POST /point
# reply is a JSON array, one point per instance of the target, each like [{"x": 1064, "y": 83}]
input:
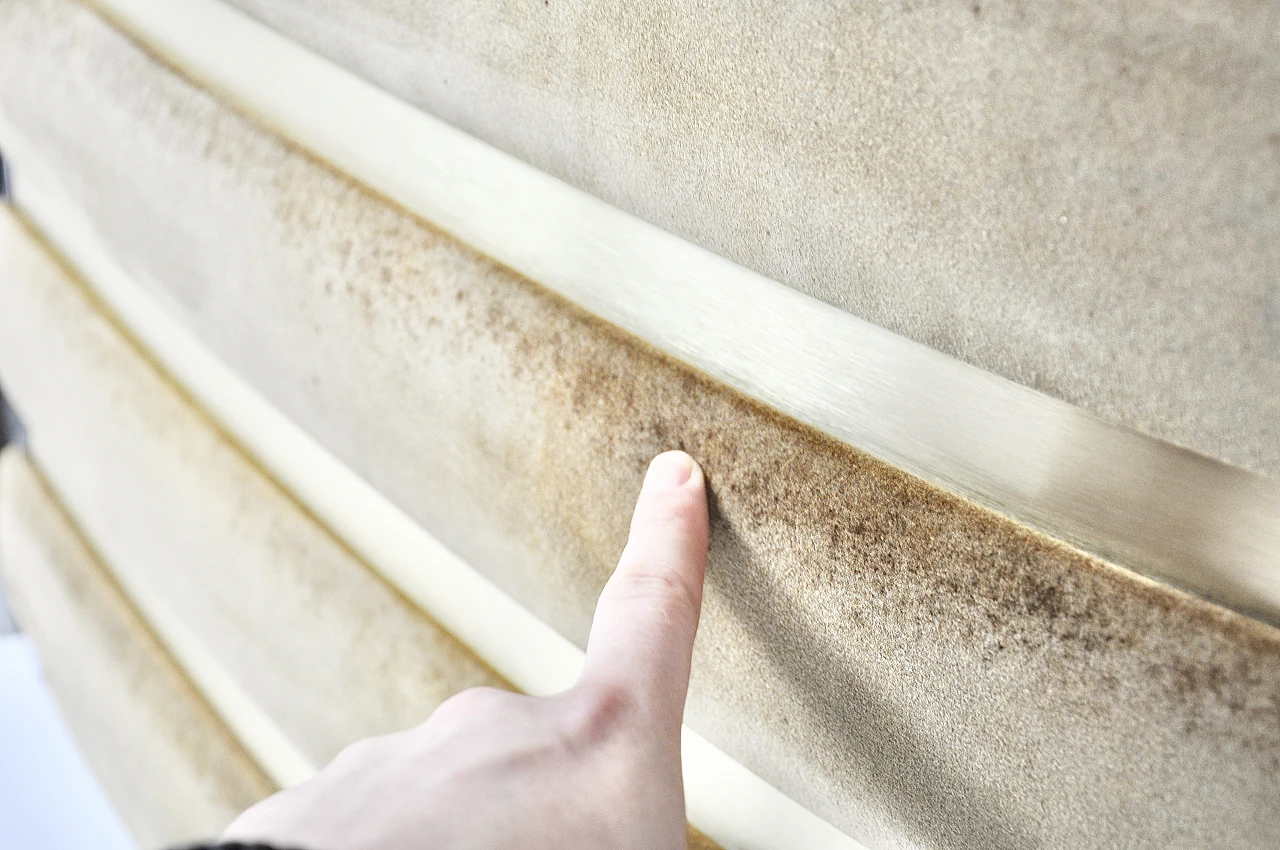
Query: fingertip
[
  {"x": 647, "y": 616},
  {"x": 671, "y": 470},
  {"x": 672, "y": 503}
]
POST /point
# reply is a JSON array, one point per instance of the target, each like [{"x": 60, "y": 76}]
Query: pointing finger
[{"x": 647, "y": 616}]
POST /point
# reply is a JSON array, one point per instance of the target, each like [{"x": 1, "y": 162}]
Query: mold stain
[{"x": 565, "y": 411}]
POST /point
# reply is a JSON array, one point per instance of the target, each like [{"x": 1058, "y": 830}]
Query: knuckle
[
  {"x": 597, "y": 711},
  {"x": 465, "y": 702},
  {"x": 357, "y": 753},
  {"x": 466, "y": 705},
  {"x": 665, "y": 588}
]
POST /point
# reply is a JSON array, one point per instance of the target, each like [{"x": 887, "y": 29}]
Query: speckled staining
[
  {"x": 242, "y": 584},
  {"x": 917, "y": 670},
  {"x": 1059, "y": 194}
]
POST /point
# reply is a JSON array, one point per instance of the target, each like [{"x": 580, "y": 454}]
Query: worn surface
[
  {"x": 919, "y": 671},
  {"x": 171, "y": 769},
  {"x": 1081, "y": 197},
  {"x": 298, "y": 643},
  {"x": 325, "y": 649}
]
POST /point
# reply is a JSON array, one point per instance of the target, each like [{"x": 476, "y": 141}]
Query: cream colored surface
[
  {"x": 204, "y": 541},
  {"x": 725, "y": 800},
  {"x": 168, "y": 764},
  {"x": 1212, "y": 528},
  {"x": 918, "y": 671},
  {"x": 1078, "y": 196}
]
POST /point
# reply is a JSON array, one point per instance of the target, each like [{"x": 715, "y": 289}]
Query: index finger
[{"x": 647, "y": 615}]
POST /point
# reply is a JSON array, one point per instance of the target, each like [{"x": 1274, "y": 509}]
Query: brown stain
[
  {"x": 985, "y": 576},
  {"x": 410, "y": 662},
  {"x": 901, "y": 576},
  {"x": 884, "y": 157}
]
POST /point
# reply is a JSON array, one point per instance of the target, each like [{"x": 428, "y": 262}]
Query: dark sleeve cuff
[{"x": 235, "y": 845}]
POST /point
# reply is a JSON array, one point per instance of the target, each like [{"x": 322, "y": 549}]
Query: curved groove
[
  {"x": 269, "y": 747},
  {"x": 168, "y": 762},
  {"x": 725, "y": 800},
  {"x": 1155, "y": 507}
]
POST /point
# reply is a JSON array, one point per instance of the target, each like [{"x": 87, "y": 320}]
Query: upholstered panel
[
  {"x": 166, "y": 761},
  {"x": 1080, "y": 197},
  {"x": 917, "y": 670},
  {"x": 322, "y": 647}
]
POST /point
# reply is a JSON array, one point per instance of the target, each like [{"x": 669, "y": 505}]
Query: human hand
[{"x": 597, "y": 766}]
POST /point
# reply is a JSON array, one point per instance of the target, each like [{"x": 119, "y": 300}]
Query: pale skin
[{"x": 596, "y": 766}]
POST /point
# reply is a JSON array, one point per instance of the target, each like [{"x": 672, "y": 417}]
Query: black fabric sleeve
[{"x": 235, "y": 845}]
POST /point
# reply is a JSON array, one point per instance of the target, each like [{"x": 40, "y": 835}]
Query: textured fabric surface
[
  {"x": 166, "y": 762},
  {"x": 323, "y": 647},
  {"x": 326, "y": 649},
  {"x": 918, "y": 671},
  {"x": 1081, "y": 197}
]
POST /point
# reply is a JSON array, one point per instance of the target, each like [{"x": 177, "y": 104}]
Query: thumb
[{"x": 647, "y": 616}]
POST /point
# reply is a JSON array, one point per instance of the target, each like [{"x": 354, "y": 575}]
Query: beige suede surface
[
  {"x": 318, "y": 642},
  {"x": 169, "y": 766},
  {"x": 329, "y": 652},
  {"x": 1079, "y": 196},
  {"x": 921, "y": 672}
]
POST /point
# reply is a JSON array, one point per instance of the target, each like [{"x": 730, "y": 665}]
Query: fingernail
[{"x": 669, "y": 469}]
